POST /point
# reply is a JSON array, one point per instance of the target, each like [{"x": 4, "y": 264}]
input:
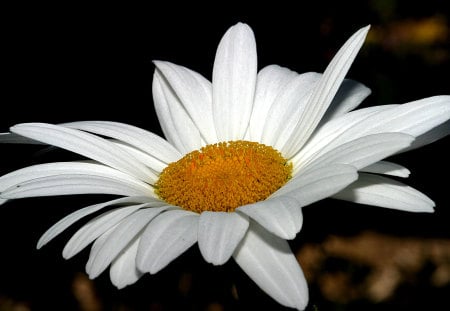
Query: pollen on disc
[{"x": 223, "y": 176}]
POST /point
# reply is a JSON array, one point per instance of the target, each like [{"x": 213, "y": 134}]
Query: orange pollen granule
[{"x": 223, "y": 176}]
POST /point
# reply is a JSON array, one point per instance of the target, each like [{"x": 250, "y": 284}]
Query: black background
[{"x": 63, "y": 64}]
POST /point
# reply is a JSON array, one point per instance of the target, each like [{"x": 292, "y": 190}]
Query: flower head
[{"x": 242, "y": 156}]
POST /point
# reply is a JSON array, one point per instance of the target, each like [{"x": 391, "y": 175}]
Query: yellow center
[{"x": 223, "y": 176}]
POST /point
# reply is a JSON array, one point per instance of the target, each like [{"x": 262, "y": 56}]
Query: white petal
[
  {"x": 182, "y": 131},
  {"x": 154, "y": 164},
  {"x": 348, "y": 97},
  {"x": 270, "y": 81},
  {"x": 319, "y": 183},
  {"x": 88, "y": 145},
  {"x": 414, "y": 118},
  {"x": 280, "y": 215},
  {"x": 123, "y": 270},
  {"x": 146, "y": 141},
  {"x": 385, "y": 192},
  {"x": 287, "y": 109},
  {"x": 219, "y": 233},
  {"x": 269, "y": 262},
  {"x": 166, "y": 237},
  {"x": 95, "y": 228},
  {"x": 35, "y": 174},
  {"x": 330, "y": 134},
  {"x": 194, "y": 93},
  {"x": 101, "y": 256},
  {"x": 431, "y": 136},
  {"x": 387, "y": 168},
  {"x": 163, "y": 112},
  {"x": 70, "y": 219},
  {"x": 68, "y": 184},
  {"x": 325, "y": 90},
  {"x": 234, "y": 81},
  {"x": 362, "y": 151}
]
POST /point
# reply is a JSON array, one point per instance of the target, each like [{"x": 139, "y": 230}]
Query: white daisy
[{"x": 243, "y": 155}]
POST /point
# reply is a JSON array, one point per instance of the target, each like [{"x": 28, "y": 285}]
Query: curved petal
[
  {"x": 270, "y": 81},
  {"x": 329, "y": 135},
  {"x": 70, "y": 219},
  {"x": 269, "y": 262},
  {"x": 385, "y": 192},
  {"x": 123, "y": 269},
  {"x": 387, "y": 168},
  {"x": 101, "y": 256},
  {"x": 95, "y": 228},
  {"x": 154, "y": 164},
  {"x": 414, "y": 118},
  {"x": 362, "y": 151},
  {"x": 348, "y": 97},
  {"x": 187, "y": 134},
  {"x": 325, "y": 91},
  {"x": 431, "y": 136},
  {"x": 234, "y": 81},
  {"x": 161, "y": 103},
  {"x": 146, "y": 141},
  {"x": 166, "y": 237},
  {"x": 284, "y": 115},
  {"x": 195, "y": 95},
  {"x": 32, "y": 177},
  {"x": 86, "y": 144},
  {"x": 219, "y": 233},
  {"x": 68, "y": 184},
  {"x": 318, "y": 183},
  {"x": 281, "y": 215}
]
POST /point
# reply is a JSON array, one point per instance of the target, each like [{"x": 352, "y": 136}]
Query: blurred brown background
[{"x": 67, "y": 63}]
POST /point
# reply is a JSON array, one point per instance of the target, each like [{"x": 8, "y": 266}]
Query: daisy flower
[{"x": 242, "y": 155}]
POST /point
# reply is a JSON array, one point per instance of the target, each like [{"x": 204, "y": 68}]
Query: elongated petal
[
  {"x": 195, "y": 95},
  {"x": 329, "y": 135},
  {"x": 182, "y": 129},
  {"x": 281, "y": 215},
  {"x": 431, "y": 136},
  {"x": 384, "y": 192},
  {"x": 318, "y": 183},
  {"x": 154, "y": 164},
  {"x": 348, "y": 97},
  {"x": 101, "y": 256},
  {"x": 414, "y": 118},
  {"x": 70, "y": 219},
  {"x": 234, "y": 81},
  {"x": 325, "y": 90},
  {"x": 270, "y": 82},
  {"x": 167, "y": 237},
  {"x": 287, "y": 109},
  {"x": 37, "y": 173},
  {"x": 68, "y": 184},
  {"x": 88, "y": 145},
  {"x": 95, "y": 228},
  {"x": 387, "y": 168},
  {"x": 146, "y": 141},
  {"x": 219, "y": 233},
  {"x": 362, "y": 151},
  {"x": 269, "y": 262},
  {"x": 163, "y": 112},
  {"x": 123, "y": 270}
]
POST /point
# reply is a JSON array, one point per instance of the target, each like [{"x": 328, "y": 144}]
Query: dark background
[{"x": 73, "y": 63}]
